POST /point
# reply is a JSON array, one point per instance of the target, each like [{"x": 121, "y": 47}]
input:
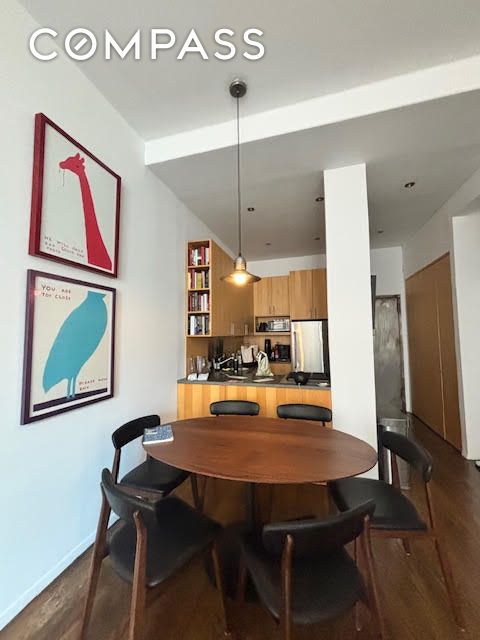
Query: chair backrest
[
  {"x": 410, "y": 451},
  {"x": 305, "y": 412},
  {"x": 315, "y": 536},
  {"x": 234, "y": 408},
  {"x": 123, "y": 503},
  {"x": 133, "y": 429}
]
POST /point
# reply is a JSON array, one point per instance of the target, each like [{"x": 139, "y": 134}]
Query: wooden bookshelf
[
  {"x": 214, "y": 308},
  {"x": 199, "y": 257}
]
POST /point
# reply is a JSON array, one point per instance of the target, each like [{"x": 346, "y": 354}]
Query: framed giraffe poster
[
  {"x": 75, "y": 214},
  {"x": 69, "y": 345}
]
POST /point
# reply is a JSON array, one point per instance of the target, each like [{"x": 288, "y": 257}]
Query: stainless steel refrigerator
[{"x": 310, "y": 347}]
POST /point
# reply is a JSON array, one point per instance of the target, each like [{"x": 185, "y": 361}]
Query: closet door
[
  {"x": 424, "y": 349},
  {"x": 448, "y": 360}
]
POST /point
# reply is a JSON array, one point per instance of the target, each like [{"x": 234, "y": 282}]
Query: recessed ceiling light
[
  {"x": 250, "y": 209},
  {"x": 319, "y": 199},
  {"x": 409, "y": 185},
  {"x": 379, "y": 230},
  {"x": 268, "y": 244}
]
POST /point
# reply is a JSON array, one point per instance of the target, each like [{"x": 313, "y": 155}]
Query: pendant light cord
[{"x": 239, "y": 199}]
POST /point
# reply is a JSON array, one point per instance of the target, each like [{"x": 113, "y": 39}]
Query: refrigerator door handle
[{"x": 295, "y": 351}]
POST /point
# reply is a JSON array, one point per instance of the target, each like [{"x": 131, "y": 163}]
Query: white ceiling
[
  {"x": 436, "y": 144},
  {"x": 313, "y": 48}
]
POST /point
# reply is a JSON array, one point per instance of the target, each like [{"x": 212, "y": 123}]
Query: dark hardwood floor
[{"x": 413, "y": 598}]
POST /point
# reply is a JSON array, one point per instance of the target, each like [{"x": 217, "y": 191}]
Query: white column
[
  {"x": 349, "y": 302},
  {"x": 466, "y": 242}
]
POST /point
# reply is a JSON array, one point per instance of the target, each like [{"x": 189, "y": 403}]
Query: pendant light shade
[{"x": 239, "y": 276}]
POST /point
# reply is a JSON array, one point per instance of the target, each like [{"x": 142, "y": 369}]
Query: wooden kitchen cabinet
[
  {"x": 319, "y": 293},
  {"x": 262, "y": 297},
  {"x": 301, "y": 291},
  {"x": 280, "y": 292},
  {"x": 308, "y": 294},
  {"x": 271, "y": 297}
]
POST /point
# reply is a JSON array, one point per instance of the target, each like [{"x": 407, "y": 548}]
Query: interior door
[
  {"x": 301, "y": 289},
  {"x": 388, "y": 354},
  {"x": 433, "y": 366},
  {"x": 424, "y": 350},
  {"x": 448, "y": 360}
]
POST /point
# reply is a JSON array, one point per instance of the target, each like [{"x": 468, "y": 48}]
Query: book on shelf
[
  {"x": 199, "y": 256},
  {"x": 199, "y": 279},
  {"x": 198, "y": 325},
  {"x": 198, "y": 301}
]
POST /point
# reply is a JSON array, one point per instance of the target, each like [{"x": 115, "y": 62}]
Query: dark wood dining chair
[
  {"x": 300, "y": 411},
  {"x": 153, "y": 541},
  {"x": 229, "y": 408},
  {"x": 305, "y": 412},
  {"x": 395, "y": 516},
  {"x": 302, "y": 572},
  {"x": 151, "y": 476},
  {"x": 234, "y": 408}
]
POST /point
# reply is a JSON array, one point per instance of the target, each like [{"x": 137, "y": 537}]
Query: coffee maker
[{"x": 268, "y": 348}]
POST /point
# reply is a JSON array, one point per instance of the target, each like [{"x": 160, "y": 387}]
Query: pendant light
[{"x": 239, "y": 276}]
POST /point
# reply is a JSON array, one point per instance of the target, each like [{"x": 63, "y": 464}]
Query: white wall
[
  {"x": 283, "y": 266},
  {"x": 50, "y": 470},
  {"x": 349, "y": 302},
  {"x": 466, "y": 235}
]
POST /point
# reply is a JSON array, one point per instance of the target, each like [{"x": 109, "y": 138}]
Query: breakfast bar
[{"x": 195, "y": 396}]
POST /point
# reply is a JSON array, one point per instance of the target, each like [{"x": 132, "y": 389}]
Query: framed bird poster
[
  {"x": 75, "y": 213},
  {"x": 69, "y": 345}
]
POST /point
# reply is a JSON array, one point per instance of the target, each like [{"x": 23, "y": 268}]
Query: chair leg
[
  {"x": 407, "y": 547},
  {"x": 195, "y": 495},
  {"x": 449, "y": 584},
  {"x": 203, "y": 498},
  {"x": 374, "y": 600},
  {"x": 99, "y": 552},
  {"x": 358, "y": 617},
  {"x": 242, "y": 580},
  {"x": 139, "y": 588},
  {"x": 221, "y": 590}
]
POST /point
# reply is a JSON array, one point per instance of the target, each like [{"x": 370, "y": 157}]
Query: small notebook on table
[{"x": 157, "y": 435}]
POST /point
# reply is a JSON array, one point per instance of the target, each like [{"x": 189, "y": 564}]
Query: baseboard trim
[{"x": 8, "y": 614}]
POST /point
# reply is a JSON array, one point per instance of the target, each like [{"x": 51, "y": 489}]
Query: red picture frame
[{"x": 109, "y": 266}]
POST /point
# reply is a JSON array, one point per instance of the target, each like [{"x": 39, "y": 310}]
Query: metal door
[{"x": 388, "y": 353}]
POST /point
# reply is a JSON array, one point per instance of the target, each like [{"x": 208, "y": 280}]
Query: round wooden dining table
[
  {"x": 258, "y": 450},
  {"x": 264, "y": 450}
]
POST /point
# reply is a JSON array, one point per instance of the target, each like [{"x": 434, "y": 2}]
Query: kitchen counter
[
  {"x": 195, "y": 396},
  {"x": 228, "y": 379}
]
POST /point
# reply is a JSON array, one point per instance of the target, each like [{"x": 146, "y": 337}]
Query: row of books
[
  {"x": 199, "y": 325},
  {"x": 198, "y": 301},
  {"x": 199, "y": 256},
  {"x": 199, "y": 279}
]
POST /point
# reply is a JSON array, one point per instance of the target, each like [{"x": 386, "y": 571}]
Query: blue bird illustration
[{"x": 76, "y": 342}]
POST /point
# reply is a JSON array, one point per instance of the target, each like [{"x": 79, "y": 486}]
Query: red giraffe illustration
[{"x": 97, "y": 253}]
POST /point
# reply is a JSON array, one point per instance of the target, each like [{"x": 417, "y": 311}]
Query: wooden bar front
[{"x": 193, "y": 400}]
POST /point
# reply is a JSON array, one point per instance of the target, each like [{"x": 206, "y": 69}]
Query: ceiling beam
[{"x": 393, "y": 93}]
